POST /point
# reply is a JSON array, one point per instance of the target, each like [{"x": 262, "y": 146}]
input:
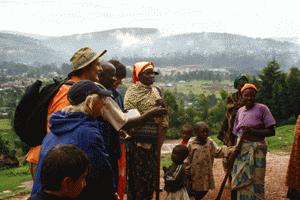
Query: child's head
[
  {"x": 64, "y": 170},
  {"x": 179, "y": 153},
  {"x": 201, "y": 130},
  {"x": 186, "y": 131}
]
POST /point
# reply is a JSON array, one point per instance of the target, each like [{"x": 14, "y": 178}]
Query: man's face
[
  {"x": 94, "y": 70},
  {"x": 108, "y": 76},
  {"x": 118, "y": 82}
]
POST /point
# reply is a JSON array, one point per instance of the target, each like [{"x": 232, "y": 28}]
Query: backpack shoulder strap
[
  {"x": 52, "y": 93},
  {"x": 68, "y": 82}
]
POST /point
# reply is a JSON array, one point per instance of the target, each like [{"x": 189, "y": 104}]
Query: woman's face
[
  {"x": 147, "y": 77},
  {"x": 248, "y": 97}
]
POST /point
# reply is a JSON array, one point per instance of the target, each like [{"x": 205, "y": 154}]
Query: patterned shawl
[
  {"x": 293, "y": 174},
  {"x": 233, "y": 103},
  {"x": 143, "y": 98}
]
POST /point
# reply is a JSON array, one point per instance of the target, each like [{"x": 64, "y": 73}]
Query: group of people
[
  {"x": 245, "y": 120},
  {"x": 245, "y": 126},
  {"x": 95, "y": 150},
  {"x": 83, "y": 153}
]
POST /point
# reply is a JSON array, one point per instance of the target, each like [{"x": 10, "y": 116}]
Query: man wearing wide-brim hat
[{"x": 85, "y": 66}]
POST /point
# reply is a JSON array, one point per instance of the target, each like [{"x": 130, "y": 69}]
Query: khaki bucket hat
[{"x": 83, "y": 57}]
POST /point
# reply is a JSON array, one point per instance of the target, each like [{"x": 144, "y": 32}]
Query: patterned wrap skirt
[
  {"x": 141, "y": 165},
  {"x": 248, "y": 173}
]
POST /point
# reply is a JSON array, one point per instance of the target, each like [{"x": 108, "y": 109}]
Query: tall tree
[
  {"x": 293, "y": 91},
  {"x": 270, "y": 88}
]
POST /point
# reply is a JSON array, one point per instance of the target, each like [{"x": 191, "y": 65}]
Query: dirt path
[
  {"x": 275, "y": 176},
  {"x": 275, "y": 179}
]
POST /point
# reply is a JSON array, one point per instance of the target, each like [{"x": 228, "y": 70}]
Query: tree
[
  {"x": 271, "y": 89},
  {"x": 172, "y": 106},
  {"x": 293, "y": 91}
]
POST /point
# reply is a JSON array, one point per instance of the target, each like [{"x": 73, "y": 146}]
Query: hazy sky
[{"x": 254, "y": 18}]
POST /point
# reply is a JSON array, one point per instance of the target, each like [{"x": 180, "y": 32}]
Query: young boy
[
  {"x": 174, "y": 175},
  {"x": 199, "y": 163},
  {"x": 63, "y": 174},
  {"x": 186, "y": 133}
]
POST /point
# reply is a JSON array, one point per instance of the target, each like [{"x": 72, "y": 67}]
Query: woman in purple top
[{"x": 253, "y": 123}]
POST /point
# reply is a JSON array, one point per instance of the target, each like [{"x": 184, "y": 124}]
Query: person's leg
[
  {"x": 32, "y": 169},
  {"x": 131, "y": 170},
  {"x": 122, "y": 173},
  {"x": 255, "y": 189},
  {"x": 145, "y": 169},
  {"x": 199, "y": 194},
  {"x": 293, "y": 194},
  {"x": 233, "y": 195}
]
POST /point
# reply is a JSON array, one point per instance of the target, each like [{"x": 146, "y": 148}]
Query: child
[
  {"x": 199, "y": 163},
  {"x": 174, "y": 175},
  {"x": 63, "y": 174},
  {"x": 186, "y": 133}
]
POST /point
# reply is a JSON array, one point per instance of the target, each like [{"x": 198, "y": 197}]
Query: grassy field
[
  {"x": 282, "y": 141},
  {"x": 201, "y": 87},
  {"x": 11, "y": 181},
  {"x": 8, "y": 135},
  {"x": 196, "y": 86}
]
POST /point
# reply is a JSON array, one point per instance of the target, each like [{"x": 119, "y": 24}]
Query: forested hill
[
  {"x": 26, "y": 50},
  {"x": 213, "y": 50}
]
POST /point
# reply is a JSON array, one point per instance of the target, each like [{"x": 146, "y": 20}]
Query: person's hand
[
  {"x": 123, "y": 135},
  {"x": 246, "y": 131},
  {"x": 165, "y": 169},
  {"x": 117, "y": 197},
  {"x": 160, "y": 103}
]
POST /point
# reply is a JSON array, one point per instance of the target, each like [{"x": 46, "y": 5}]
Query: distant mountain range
[{"x": 214, "y": 50}]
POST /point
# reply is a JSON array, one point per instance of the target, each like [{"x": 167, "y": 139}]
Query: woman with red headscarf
[
  {"x": 142, "y": 149},
  {"x": 253, "y": 123}
]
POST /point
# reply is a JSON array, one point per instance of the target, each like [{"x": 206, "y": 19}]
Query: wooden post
[
  {"x": 160, "y": 138},
  {"x": 236, "y": 152}
]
